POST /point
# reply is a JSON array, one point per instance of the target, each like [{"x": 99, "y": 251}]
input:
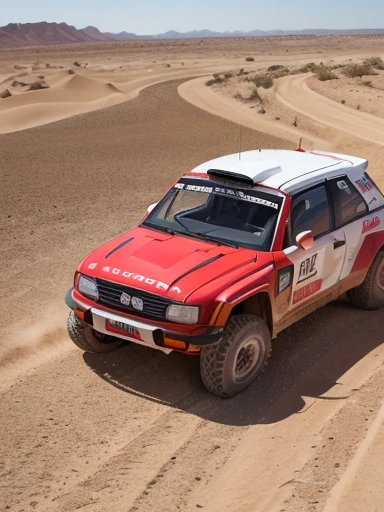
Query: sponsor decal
[
  {"x": 364, "y": 184},
  {"x": 137, "y": 277},
  {"x": 308, "y": 268},
  {"x": 176, "y": 289},
  {"x": 227, "y": 192},
  {"x": 306, "y": 291},
  {"x": 92, "y": 266},
  {"x": 370, "y": 224},
  {"x": 344, "y": 186}
]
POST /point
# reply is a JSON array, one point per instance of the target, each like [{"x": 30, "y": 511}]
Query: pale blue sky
[{"x": 152, "y": 17}]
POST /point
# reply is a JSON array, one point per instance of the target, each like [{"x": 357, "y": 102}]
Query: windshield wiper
[
  {"x": 164, "y": 229},
  {"x": 219, "y": 241}
]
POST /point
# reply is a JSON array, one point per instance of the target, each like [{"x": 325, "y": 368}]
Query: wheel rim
[
  {"x": 380, "y": 280},
  {"x": 249, "y": 358}
]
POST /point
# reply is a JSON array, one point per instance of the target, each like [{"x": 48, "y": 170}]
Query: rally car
[{"x": 237, "y": 250}]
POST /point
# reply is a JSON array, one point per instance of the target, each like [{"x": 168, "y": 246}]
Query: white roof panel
[{"x": 276, "y": 168}]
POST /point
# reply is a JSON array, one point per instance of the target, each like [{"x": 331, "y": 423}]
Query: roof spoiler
[{"x": 230, "y": 178}]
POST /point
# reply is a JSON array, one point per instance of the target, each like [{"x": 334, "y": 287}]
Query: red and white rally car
[{"x": 237, "y": 250}]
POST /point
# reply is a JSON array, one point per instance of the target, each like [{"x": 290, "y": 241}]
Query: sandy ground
[{"x": 135, "y": 430}]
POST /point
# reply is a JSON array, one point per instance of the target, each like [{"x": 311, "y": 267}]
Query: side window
[
  {"x": 348, "y": 203},
  {"x": 310, "y": 212}
]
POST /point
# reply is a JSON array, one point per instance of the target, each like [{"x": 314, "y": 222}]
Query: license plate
[{"x": 121, "y": 326}]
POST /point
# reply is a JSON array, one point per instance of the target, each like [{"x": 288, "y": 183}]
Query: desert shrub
[
  {"x": 310, "y": 67},
  {"x": 249, "y": 59},
  {"x": 254, "y": 96},
  {"x": 262, "y": 110},
  {"x": 76, "y": 63},
  {"x": 35, "y": 86},
  {"x": 217, "y": 79},
  {"x": 71, "y": 72},
  {"x": 353, "y": 70},
  {"x": 375, "y": 62},
  {"x": 368, "y": 83},
  {"x": 17, "y": 83},
  {"x": 284, "y": 71},
  {"x": 227, "y": 76},
  {"x": 324, "y": 74},
  {"x": 265, "y": 81},
  {"x": 275, "y": 67}
]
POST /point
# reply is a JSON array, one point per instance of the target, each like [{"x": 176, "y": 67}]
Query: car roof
[{"x": 286, "y": 170}]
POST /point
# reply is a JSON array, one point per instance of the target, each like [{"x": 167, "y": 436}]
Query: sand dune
[{"x": 73, "y": 94}]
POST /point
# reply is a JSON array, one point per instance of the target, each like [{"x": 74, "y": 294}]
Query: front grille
[{"x": 154, "y": 307}]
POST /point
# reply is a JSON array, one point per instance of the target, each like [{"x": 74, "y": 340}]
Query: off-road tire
[
  {"x": 89, "y": 340},
  {"x": 218, "y": 361},
  {"x": 370, "y": 294}
]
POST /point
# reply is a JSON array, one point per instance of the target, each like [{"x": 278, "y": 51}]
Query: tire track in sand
[{"x": 293, "y": 92}]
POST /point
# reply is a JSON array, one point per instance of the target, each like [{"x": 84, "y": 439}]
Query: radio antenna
[{"x": 240, "y": 140}]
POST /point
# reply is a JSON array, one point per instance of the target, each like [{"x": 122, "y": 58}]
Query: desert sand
[{"x": 135, "y": 430}]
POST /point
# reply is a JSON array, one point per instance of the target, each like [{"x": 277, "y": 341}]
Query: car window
[
  {"x": 244, "y": 217},
  {"x": 348, "y": 203},
  {"x": 310, "y": 212}
]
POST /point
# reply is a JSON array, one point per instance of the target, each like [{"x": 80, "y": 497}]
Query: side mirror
[
  {"x": 305, "y": 240},
  {"x": 151, "y": 207}
]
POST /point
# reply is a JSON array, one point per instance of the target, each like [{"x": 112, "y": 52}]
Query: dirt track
[
  {"x": 135, "y": 430},
  {"x": 294, "y": 92}
]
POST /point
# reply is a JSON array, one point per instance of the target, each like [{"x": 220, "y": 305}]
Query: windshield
[{"x": 243, "y": 217}]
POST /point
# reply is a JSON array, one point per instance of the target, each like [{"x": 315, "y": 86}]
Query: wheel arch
[{"x": 259, "y": 305}]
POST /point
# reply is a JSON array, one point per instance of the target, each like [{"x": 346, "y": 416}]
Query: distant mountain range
[
  {"x": 44, "y": 33},
  {"x": 196, "y": 34},
  {"x": 37, "y": 34}
]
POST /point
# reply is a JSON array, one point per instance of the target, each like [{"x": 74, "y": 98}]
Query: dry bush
[
  {"x": 265, "y": 81},
  {"x": 353, "y": 70},
  {"x": 254, "y": 96},
  {"x": 310, "y": 67},
  {"x": 375, "y": 62},
  {"x": 249, "y": 59},
  {"x": 324, "y": 74},
  {"x": 17, "y": 83},
  {"x": 276, "y": 67},
  {"x": 218, "y": 79},
  {"x": 284, "y": 71},
  {"x": 71, "y": 72},
  {"x": 35, "y": 86}
]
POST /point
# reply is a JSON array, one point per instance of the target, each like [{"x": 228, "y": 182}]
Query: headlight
[
  {"x": 183, "y": 314},
  {"x": 88, "y": 287}
]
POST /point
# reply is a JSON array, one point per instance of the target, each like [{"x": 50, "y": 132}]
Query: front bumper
[{"x": 145, "y": 334}]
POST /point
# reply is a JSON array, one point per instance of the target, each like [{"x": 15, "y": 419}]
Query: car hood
[{"x": 169, "y": 265}]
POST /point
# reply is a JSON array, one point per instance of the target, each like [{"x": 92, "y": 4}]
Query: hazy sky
[{"x": 156, "y": 16}]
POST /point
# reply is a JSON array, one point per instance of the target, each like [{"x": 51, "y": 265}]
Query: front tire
[
  {"x": 370, "y": 294},
  {"x": 232, "y": 364},
  {"x": 88, "y": 339}
]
